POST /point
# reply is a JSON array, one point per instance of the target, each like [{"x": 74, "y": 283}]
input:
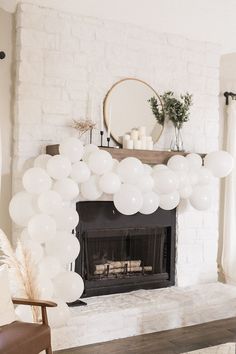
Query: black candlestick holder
[
  {"x": 108, "y": 141},
  {"x": 101, "y": 134}
]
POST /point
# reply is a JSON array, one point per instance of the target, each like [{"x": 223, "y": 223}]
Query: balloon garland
[{"x": 45, "y": 208}]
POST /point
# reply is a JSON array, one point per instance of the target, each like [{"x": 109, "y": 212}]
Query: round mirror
[{"x": 127, "y": 106}]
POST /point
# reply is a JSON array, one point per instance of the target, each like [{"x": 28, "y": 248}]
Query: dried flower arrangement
[
  {"x": 83, "y": 125},
  {"x": 22, "y": 267}
]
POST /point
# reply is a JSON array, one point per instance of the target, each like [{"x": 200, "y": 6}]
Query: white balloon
[
  {"x": 36, "y": 180},
  {"x": 183, "y": 178},
  {"x": 100, "y": 162},
  {"x": 34, "y": 248},
  {"x": 69, "y": 286},
  {"x": 49, "y": 202},
  {"x": 58, "y": 316},
  {"x": 115, "y": 165},
  {"x": 109, "y": 183},
  {"x": 42, "y": 160},
  {"x": 128, "y": 200},
  {"x": 130, "y": 169},
  {"x": 145, "y": 183},
  {"x": 45, "y": 285},
  {"x": 200, "y": 198},
  {"x": 165, "y": 181},
  {"x": 147, "y": 169},
  {"x": 59, "y": 167},
  {"x": 186, "y": 191},
  {"x": 90, "y": 189},
  {"x": 159, "y": 167},
  {"x": 66, "y": 218},
  {"x": 88, "y": 149},
  {"x": 220, "y": 163},
  {"x": 193, "y": 177},
  {"x": 41, "y": 227},
  {"x": 67, "y": 188},
  {"x": 50, "y": 266},
  {"x": 169, "y": 201},
  {"x": 80, "y": 172},
  {"x": 65, "y": 247},
  {"x": 150, "y": 203},
  {"x": 178, "y": 163},
  {"x": 22, "y": 208},
  {"x": 205, "y": 176},
  {"x": 194, "y": 161},
  {"x": 72, "y": 148},
  {"x": 24, "y": 236}
]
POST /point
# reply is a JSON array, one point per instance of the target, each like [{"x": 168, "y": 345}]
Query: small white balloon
[
  {"x": 66, "y": 218},
  {"x": 147, "y": 169},
  {"x": 42, "y": 160},
  {"x": 67, "y": 188},
  {"x": 128, "y": 200},
  {"x": 205, "y": 176},
  {"x": 193, "y": 177},
  {"x": 130, "y": 169},
  {"x": 49, "y": 202},
  {"x": 72, "y": 148},
  {"x": 69, "y": 286},
  {"x": 80, "y": 172},
  {"x": 109, "y": 183},
  {"x": 115, "y": 165},
  {"x": 220, "y": 163},
  {"x": 159, "y": 167},
  {"x": 88, "y": 149},
  {"x": 65, "y": 247},
  {"x": 194, "y": 161},
  {"x": 100, "y": 162},
  {"x": 169, "y": 201},
  {"x": 41, "y": 227},
  {"x": 36, "y": 180},
  {"x": 183, "y": 178},
  {"x": 59, "y": 167},
  {"x": 186, "y": 191},
  {"x": 90, "y": 189},
  {"x": 22, "y": 208},
  {"x": 178, "y": 163},
  {"x": 58, "y": 316},
  {"x": 201, "y": 198},
  {"x": 165, "y": 181},
  {"x": 150, "y": 203},
  {"x": 50, "y": 266},
  {"x": 145, "y": 183}
]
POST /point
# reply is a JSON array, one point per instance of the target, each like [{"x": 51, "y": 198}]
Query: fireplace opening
[{"x": 121, "y": 253}]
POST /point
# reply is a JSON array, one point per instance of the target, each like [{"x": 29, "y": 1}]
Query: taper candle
[{"x": 101, "y": 118}]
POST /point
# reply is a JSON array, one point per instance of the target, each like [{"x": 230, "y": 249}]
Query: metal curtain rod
[{"x": 227, "y": 95}]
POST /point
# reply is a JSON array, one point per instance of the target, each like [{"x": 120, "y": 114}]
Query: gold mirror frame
[{"x": 105, "y": 103}]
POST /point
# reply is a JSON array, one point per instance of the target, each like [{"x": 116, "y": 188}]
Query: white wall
[
  {"x": 6, "y": 91},
  {"x": 211, "y": 20}
]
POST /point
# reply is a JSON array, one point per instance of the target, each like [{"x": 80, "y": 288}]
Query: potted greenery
[{"x": 177, "y": 110}]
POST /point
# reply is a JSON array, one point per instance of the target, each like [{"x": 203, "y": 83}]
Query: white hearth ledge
[{"x": 144, "y": 311}]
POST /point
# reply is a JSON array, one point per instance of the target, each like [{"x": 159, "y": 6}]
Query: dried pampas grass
[
  {"x": 22, "y": 268},
  {"x": 83, "y": 125}
]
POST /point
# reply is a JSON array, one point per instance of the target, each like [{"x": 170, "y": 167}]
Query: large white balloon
[
  {"x": 90, "y": 189},
  {"x": 109, "y": 183},
  {"x": 42, "y": 160},
  {"x": 186, "y": 191},
  {"x": 50, "y": 266},
  {"x": 45, "y": 286},
  {"x": 169, "y": 201},
  {"x": 159, "y": 167},
  {"x": 59, "y": 167},
  {"x": 194, "y": 161},
  {"x": 178, "y": 163},
  {"x": 115, "y": 165},
  {"x": 67, "y": 188},
  {"x": 150, "y": 203},
  {"x": 66, "y": 218},
  {"x": 41, "y": 227},
  {"x": 58, "y": 316},
  {"x": 201, "y": 198},
  {"x": 65, "y": 247},
  {"x": 49, "y": 202},
  {"x": 183, "y": 178},
  {"x": 219, "y": 162},
  {"x": 35, "y": 250},
  {"x": 100, "y": 162},
  {"x": 88, "y": 149},
  {"x": 130, "y": 169},
  {"x": 147, "y": 169},
  {"x": 145, "y": 183},
  {"x": 165, "y": 181},
  {"x": 205, "y": 176},
  {"x": 36, "y": 180},
  {"x": 72, "y": 148},
  {"x": 128, "y": 200},
  {"x": 80, "y": 172},
  {"x": 22, "y": 208},
  {"x": 69, "y": 286}
]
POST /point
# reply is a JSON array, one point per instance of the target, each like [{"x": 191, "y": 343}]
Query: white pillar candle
[
  {"x": 101, "y": 118},
  {"x": 142, "y": 131},
  {"x": 130, "y": 144},
  {"x": 148, "y": 138},
  {"x": 144, "y": 142},
  {"x": 134, "y": 134},
  {"x": 149, "y": 145},
  {"x": 137, "y": 144},
  {"x": 126, "y": 138}
]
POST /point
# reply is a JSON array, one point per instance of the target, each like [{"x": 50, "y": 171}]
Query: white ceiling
[{"x": 205, "y": 20}]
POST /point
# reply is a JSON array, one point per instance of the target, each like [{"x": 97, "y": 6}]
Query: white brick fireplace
[{"x": 62, "y": 60}]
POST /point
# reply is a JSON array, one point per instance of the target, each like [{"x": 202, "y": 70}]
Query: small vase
[{"x": 177, "y": 141}]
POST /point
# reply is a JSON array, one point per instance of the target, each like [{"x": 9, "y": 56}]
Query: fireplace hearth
[{"x": 122, "y": 253}]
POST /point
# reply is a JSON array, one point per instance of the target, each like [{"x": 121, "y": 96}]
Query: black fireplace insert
[{"x": 122, "y": 253}]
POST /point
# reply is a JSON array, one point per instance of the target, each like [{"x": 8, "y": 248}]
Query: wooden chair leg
[{"x": 49, "y": 350}]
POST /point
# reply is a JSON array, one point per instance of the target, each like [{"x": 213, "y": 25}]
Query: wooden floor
[{"x": 166, "y": 342}]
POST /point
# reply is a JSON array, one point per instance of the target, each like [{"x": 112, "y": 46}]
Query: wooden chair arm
[{"x": 42, "y": 303}]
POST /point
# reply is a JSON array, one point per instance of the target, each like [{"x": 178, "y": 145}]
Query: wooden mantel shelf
[{"x": 146, "y": 156}]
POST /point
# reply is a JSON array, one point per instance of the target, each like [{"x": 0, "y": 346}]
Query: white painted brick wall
[{"x": 63, "y": 59}]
